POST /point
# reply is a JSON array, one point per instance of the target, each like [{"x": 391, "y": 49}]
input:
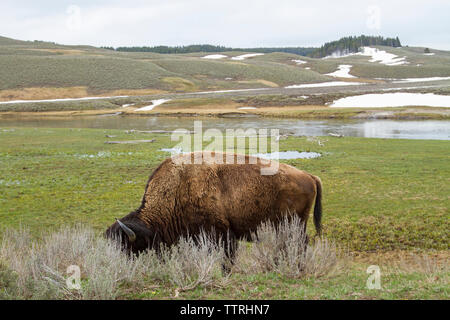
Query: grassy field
[
  {"x": 379, "y": 194},
  {"x": 384, "y": 200}
]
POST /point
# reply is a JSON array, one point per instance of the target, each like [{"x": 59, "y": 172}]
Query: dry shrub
[
  {"x": 38, "y": 269},
  {"x": 193, "y": 262},
  {"x": 42, "y": 267},
  {"x": 281, "y": 248}
]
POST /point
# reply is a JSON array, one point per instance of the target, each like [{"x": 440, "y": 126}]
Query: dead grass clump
[
  {"x": 193, "y": 262},
  {"x": 282, "y": 249},
  {"x": 42, "y": 268},
  {"x": 43, "y": 93}
]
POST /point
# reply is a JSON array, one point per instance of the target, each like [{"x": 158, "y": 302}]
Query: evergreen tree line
[
  {"x": 353, "y": 44},
  {"x": 342, "y": 46},
  {"x": 210, "y": 48}
]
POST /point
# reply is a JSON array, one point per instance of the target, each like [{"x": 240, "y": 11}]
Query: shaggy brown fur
[{"x": 231, "y": 199}]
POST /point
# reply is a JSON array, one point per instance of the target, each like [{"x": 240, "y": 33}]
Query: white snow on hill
[
  {"x": 298, "y": 61},
  {"x": 377, "y": 55},
  {"x": 245, "y": 56},
  {"x": 215, "y": 56},
  {"x": 383, "y": 57},
  {"x": 343, "y": 71}
]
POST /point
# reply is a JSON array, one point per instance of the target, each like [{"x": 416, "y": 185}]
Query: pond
[{"x": 390, "y": 129}]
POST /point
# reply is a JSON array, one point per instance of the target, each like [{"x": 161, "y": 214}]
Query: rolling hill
[{"x": 29, "y": 67}]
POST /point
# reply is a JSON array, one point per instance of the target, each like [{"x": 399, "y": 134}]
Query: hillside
[{"x": 79, "y": 71}]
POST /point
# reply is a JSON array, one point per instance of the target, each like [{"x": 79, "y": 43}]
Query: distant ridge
[{"x": 303, "y": 51}]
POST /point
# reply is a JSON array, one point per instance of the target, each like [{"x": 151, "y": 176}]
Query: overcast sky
[{"x": 236, "y": 23}]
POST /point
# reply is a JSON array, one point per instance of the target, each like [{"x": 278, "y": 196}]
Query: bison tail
[{"x": 318, "y": 206}]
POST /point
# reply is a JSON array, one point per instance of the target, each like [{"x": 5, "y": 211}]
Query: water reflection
[{"x": 427, "y": 129}]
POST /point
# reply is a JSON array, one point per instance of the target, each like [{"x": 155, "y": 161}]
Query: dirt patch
[
  {"x": 37, "y": 93},
  {"x": 43, "y": 93}
]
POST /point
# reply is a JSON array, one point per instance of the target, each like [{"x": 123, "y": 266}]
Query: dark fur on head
[{"x": 145, "y": 237}]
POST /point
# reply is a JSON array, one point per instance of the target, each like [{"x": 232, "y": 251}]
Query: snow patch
[
  {"x": 343, "y": 71},
  {"x": 247, "y": 108},
  {"x": 398, "y": 99},
  {"x": 340, "y": 54},
  {"x": 429, "y": 54},
  {"x": 215, "y": 56},
  {"x": 377, "y": 55},
  {"x": 245, "y": 56},
  {"x": 154, "y": 104},
  {"x": 299, "y": 62},
  {"x": 383, "y": 57}
]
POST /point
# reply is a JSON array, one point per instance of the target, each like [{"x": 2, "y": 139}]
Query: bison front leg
[{"x": 230, "y": 246}]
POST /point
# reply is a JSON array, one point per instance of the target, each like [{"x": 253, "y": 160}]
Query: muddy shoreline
[{"x": 294, "y": 112}]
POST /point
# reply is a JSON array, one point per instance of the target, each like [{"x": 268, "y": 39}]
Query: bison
[{"x": 229, "y": 200}]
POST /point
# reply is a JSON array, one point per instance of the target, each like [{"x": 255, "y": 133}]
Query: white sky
[{"x": 235, "y": 23}]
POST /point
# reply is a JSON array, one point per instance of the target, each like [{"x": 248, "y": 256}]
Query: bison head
[{"x": 133, "y": 235}]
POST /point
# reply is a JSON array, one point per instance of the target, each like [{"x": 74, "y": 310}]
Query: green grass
[
  {"x": 97, "y": 73},
  {"x": 218, "y": 70},
  {"x": 378, "y": 194},
  {"x": 349, "y": 285}
]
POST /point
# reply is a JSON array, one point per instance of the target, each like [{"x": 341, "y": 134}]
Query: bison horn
[{"x": 130, "y": 233}]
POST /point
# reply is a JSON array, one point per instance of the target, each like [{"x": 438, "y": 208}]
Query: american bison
[{"x": 231, "y": 200}]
